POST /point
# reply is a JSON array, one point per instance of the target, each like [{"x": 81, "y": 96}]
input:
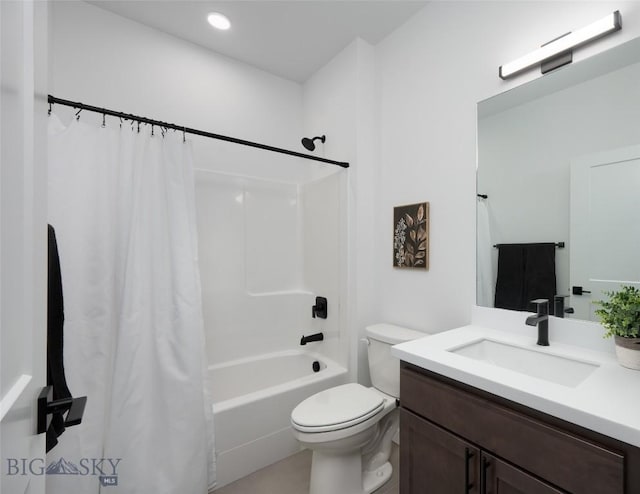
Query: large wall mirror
[{"x": 559, "y": 162}]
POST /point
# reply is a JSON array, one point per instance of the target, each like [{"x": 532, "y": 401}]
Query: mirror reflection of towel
[
  {"x": 525, "y": 272},
  {"x": 55, "y": 339}
]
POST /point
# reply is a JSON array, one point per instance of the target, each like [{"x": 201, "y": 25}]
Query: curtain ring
[
  {"x": 184, "y": 137},
  {"x": 138, "y": 126},
  {"x": 104, "y": 124},
  {"x": 151, "y": 130},
  {"x": 49, "y": 108},
  {"x": 120, "y": 122},
  {"x": 78, "y": 114}
]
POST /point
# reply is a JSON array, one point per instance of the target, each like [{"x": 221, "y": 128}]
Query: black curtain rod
[
  {"x": 559, "y": 245},
  {"x": 127, "y": 116}
]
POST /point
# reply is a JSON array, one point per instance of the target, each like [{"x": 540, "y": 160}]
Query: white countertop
[{"x": 607, "y": 401}]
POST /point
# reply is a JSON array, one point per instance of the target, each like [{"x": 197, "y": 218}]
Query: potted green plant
[{"x": 620, "y": 315}]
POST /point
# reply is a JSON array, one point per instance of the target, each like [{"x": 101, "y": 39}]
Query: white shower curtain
[
  {"x": 485, "y": 286},
  {"x": 122, "y": 203}
]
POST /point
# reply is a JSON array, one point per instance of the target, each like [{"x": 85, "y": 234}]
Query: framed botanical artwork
[{"x": 411, "y": 236}]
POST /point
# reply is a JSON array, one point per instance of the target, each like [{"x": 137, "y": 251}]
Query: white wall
[
  {"x": 339, "y": 102},
  {"x": 431, "y": 72},
  {"x": 105, "y": 60}
]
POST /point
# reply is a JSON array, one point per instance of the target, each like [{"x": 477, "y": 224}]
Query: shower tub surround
[
  {"x": 266, "y": 250},
  {"x": 252, "y": 403},
  {"x": 268, "y": 246}
]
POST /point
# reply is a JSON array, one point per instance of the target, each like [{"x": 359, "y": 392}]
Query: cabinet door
[
  {"x": 498, "y": 477},
  {"x": 434, "y": 461}
]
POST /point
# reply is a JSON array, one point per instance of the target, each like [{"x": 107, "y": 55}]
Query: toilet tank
[{"x": 384, "y": 367}]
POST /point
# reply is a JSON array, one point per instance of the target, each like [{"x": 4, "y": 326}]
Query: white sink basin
[{"x": 554, "y": 368}]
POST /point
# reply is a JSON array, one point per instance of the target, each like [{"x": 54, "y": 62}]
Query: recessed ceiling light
[{"x": 219, "y": 21}]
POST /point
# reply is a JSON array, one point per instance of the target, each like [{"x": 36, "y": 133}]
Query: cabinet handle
[
  {"x": 483, "y": 475},
  {"x": 468, "y": 454}
]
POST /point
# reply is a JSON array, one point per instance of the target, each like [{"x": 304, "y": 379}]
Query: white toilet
[{"x": 349, "y": 428}]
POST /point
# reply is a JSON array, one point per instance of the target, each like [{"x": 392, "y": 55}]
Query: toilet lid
[{"x": 336, "y": 408}]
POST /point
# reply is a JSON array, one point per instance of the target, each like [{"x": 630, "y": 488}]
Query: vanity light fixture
[
  {"x": 219, "y": 21},
  {"x": 562, "y": 46}
]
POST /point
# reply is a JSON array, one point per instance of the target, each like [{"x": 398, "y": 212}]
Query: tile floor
[{"x": 291, "y": 476}]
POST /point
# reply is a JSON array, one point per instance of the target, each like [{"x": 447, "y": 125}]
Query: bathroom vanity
[
  {"x": 471, "y": 426},
  {"x": 484, "y": 409},
  {"x": 453, "y": 435}
]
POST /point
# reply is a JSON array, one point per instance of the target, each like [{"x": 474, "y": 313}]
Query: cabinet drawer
[{"x": 568, "y": 461}]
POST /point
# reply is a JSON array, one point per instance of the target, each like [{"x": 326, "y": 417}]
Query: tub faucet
[
  {"x": 541, "y": 319},
  {"x": 313, "y": 337}
]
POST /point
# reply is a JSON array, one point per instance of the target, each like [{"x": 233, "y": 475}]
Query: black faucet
[
  {"x": 313, "y": 337},
  {"x": 559, "y": 309},
  {"x": 541, "y": 319}
]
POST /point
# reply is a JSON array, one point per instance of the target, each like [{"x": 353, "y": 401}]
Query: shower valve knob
[{"x": 320, "y": 309}]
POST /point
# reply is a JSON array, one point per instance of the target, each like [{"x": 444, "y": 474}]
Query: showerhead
[{"x": 309, "y": 144}]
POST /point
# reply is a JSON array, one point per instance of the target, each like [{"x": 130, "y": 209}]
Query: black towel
[
  {"x": 55, "y": 339},
  {"x": 525, "y": 272}
]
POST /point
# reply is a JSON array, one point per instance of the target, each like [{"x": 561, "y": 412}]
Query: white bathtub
[{"x": 252, "y": 403}]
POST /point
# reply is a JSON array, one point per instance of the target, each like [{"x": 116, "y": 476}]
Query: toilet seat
[{"x": 337, "y": 408}]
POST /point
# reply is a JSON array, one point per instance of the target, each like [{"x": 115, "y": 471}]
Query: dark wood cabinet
[
  {"x": 435, "y": 461},
  {"x": 457, "y": 439},
  {"x": 502, "y": 478}
]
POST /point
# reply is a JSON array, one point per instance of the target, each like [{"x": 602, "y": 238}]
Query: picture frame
[{"x": 411, "y": 236}]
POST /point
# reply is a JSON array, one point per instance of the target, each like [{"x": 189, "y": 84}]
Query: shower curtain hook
[
  {"x": 184, "y": 137},
  {"x": 151, "y": 130},
  {"x": 78, "y": 114},
  {"x": 104, "y": 124},
  {"x": 49, "y": 108},
  {"x": 138, "y": 126},
  {"x": 120, "y": 122}
]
